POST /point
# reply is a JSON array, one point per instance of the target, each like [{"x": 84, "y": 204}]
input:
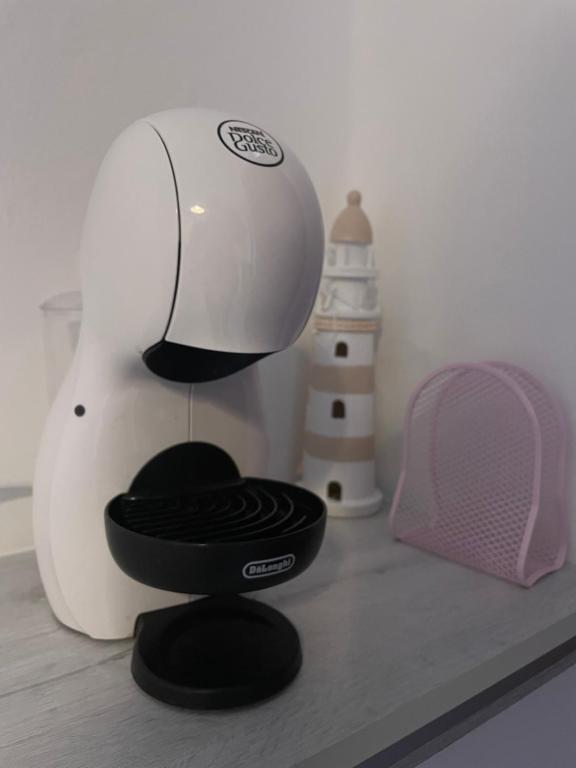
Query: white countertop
[{"x": 392, "y": 639}]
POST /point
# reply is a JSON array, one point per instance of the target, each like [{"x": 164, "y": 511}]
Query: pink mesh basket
[{"x": 482, "y": 481}]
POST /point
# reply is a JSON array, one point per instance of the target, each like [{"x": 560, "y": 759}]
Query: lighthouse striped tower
[{"x": 339, "y": 438}]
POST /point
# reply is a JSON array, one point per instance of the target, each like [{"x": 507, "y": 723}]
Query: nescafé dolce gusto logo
[{"x": 250, "y": 143}]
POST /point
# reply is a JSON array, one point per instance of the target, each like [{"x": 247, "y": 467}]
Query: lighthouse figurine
[{"x": 339, "y": 438}]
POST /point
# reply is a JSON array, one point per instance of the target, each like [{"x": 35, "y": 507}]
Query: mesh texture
[{"x": 483, "y": 474}]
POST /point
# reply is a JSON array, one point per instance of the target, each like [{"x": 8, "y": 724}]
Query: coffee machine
[{"x": 201, "y": 253}]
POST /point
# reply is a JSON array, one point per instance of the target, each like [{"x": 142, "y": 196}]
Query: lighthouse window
[
  {"x": 338, "y": 409},
  {"x": 334, "y": 491},
  {"x": 341, "y": 349}
]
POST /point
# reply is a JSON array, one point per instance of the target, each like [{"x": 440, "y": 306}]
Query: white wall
[
  {"x": 74, "y": 74},
  {"x": 456, "y": 118},
  {"x": 464, "y": 143}
]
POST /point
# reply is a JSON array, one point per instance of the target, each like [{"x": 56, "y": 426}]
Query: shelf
[{"x": 392, "y": 639}]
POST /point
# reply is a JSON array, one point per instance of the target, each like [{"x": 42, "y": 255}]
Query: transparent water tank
[{"x": 62, "y": 315}]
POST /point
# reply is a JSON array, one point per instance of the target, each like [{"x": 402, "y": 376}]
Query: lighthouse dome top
[{"x": 352, "y": 224}]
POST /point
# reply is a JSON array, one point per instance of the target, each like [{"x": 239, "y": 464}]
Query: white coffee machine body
[{"x": 201, "y": 253}]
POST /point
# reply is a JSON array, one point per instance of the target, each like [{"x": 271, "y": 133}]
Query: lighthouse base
[{"x": 364, "y": 507}]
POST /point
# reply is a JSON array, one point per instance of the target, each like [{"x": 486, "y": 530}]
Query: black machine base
[{"x": 215, "y": 653}]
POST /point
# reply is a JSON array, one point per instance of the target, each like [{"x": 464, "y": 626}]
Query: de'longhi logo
[
  {"x": 250, "y": 143},
  {"x": 257, "y": 569}
]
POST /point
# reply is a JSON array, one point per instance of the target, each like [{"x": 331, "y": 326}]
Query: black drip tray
[
  {"x": 214, "y": 653},
  {"x": 190, "y": 523},
  {"x": 198, "y": 535},
  {"x": 251, "y": 535}
]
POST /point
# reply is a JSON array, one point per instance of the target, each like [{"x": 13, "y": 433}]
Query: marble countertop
[{"x": 392, "y": 639}]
